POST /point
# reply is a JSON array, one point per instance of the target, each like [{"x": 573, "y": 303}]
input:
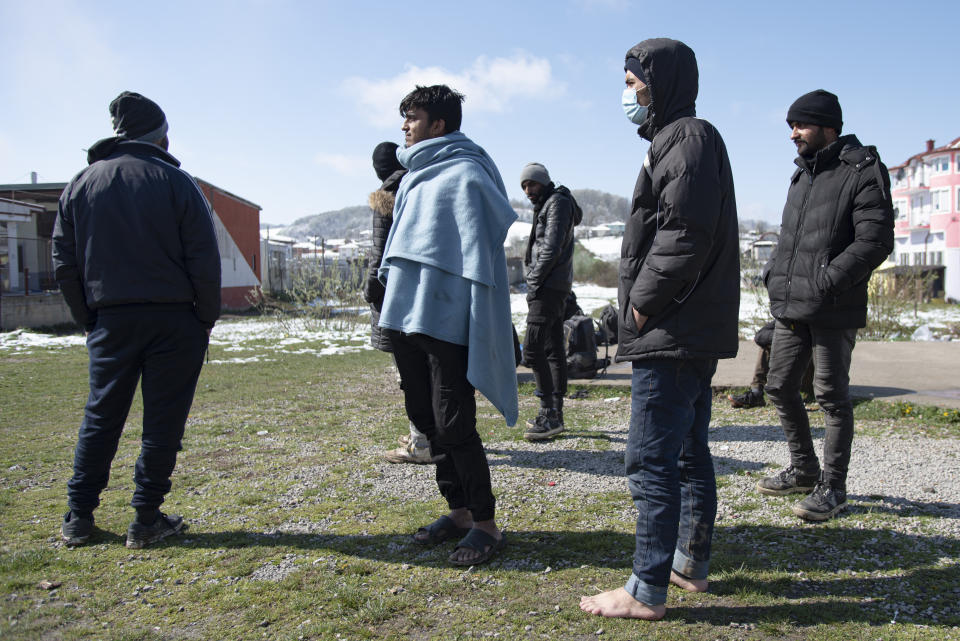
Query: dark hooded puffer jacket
[
  {"x": 837, "y": 228},
  {"x": 549, "y": 259},
  {"x": 680, "y": 262},
  {"x": 381, "y": 202}
]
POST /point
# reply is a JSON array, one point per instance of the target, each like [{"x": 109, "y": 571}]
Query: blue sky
[{"x": 282, "y": 102}]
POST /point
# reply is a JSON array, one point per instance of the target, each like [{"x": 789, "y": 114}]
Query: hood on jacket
[
  {"x": 108, "y": 146},
  {"x": 382, "y": 201},
  {"x": 670, "y": 70},
  {"x": 577, "y": 212}
]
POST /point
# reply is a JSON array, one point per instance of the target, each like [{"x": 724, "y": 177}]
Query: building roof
[
  {"x": 9, "y": 206},
  {"x": 227, "y": 193},
  {"x": 39, "y": 192},
  {"x": 953, "y": 144}
]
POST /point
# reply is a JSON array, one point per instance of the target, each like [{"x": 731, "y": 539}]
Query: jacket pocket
[{"x": 823, "y": 261}]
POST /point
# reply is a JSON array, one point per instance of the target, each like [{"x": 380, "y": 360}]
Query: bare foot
[
  {"x": 690, "y": 585},
  {"x": 619, "y": 603}
]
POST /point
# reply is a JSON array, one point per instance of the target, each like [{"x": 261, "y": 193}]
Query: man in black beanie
[
  {"x": 135, "y": 254},
  {"x": 837, "y": 228},
  {"x": 548, "y": 269},
  {"x": 413, "y": 447}
]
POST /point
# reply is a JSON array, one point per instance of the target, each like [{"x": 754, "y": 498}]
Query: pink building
[{"x": 926, "y": 199}]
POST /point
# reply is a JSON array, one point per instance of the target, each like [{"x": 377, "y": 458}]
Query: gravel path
[{"x": 911, "y": 477}]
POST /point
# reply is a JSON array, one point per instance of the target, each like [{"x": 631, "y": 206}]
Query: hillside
[{"x": 598, "y": 207}]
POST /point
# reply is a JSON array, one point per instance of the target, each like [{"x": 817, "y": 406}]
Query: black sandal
[
  {"x": 439, "y": 531},
  {"x": 481, "y": 542}
]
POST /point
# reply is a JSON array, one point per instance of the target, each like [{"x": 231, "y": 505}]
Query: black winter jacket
[
  {"x": 837, "y": 228},
  {"x": 549, "y": 259},
  {"x": 680, "y": 262},
  {"x": 381, "y": 202},
  {"x": 135, "y": 228}
]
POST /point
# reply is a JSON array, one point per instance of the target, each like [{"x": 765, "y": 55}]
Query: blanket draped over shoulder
[{"x": 452, "y": 213}]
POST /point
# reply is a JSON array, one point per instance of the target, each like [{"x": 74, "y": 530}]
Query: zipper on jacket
[{"x": 796, "y": 245}]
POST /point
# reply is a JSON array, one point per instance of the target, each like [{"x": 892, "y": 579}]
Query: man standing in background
[
  {"x": 548, "y": 268},
  {"x": 837, "y": 228}
]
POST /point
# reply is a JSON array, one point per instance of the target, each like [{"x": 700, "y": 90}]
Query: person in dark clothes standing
[
  {"x": 414, "y": 447},
  {"x": 753, "y": 397},
  {"x": 136, "y": 257},
  {"x": 679, "y": 299},
  {"x": 548, "y": 268},
  {"x": 837, "y": 228},
  {"x": 446, "y": 310}
]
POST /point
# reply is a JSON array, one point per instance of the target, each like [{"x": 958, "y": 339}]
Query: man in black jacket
[
  {"x": 548, "y": 268},
  {"x": 135, "y": 254},
  {"x": 679, "y": 299},
  {"x": 837, "y": 228},
  {"x": 413, "y": 447}
]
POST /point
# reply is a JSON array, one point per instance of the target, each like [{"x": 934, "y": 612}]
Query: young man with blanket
[{"x": 446, "y": 309}]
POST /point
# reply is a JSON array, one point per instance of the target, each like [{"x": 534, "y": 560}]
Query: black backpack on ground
[
  {"x": 571, "y": 307},
  {"x": 607, "y": 334},
  {"x": 581, "y": 341}
]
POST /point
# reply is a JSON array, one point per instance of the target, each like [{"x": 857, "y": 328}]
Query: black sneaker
[
  {"x": 823, "y": 503},
  {"x": 789, "y": 481},
  {"x": 76, "y": 530},
  {"x": 546, "y": 425},
  {"x": 532, "y": 422},
  {"x": 140, "y": 535},
  {"x": 748, "y": 399}
]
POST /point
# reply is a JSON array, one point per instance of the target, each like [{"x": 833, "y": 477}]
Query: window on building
[
  {"x": 936, "y": 258},
  {"x": 904, "y": 259},
  {"x": 940, "y": 199},
  {"x": 940, "y": 165}
]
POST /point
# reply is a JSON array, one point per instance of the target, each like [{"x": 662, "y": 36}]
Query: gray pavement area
[{"x": 925, "y": 373}]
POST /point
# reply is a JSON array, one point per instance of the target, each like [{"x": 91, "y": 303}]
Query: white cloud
[
  {"x": 490, "y": 84},
  {"x": 347, "y": 165}
]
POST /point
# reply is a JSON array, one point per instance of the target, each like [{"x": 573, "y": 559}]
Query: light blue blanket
[{"x": 452, "y": 214}]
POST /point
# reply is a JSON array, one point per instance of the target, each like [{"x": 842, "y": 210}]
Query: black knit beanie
[
  {"x": 385, "y": 159},
  {"x": 817, "y": 108},
  {"x": 633, "y": 65},
  {"x": 137, "y": 117}
]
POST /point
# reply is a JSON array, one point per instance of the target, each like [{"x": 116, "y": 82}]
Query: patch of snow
[
  {"x": 603, "y": 247},
  {"x": 21, "y": 341}
]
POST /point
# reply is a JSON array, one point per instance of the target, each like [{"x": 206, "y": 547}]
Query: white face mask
[{"x": 635, "y": 112}]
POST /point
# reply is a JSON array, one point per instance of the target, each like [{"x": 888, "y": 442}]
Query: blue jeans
[{"x": 670, "y": 473}]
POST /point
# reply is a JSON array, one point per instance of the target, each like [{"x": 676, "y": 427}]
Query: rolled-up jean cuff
[
  {"x": 644, "y": 592},
  {"x": 685, "y": 566}
]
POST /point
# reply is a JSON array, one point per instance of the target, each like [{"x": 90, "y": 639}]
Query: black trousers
[
  {"x": 832, "y": 349},
  {"x": 441, "y": 403},
  {"x": 163, "y": 345},
  {"x": 763, "y": 367},
  {"x": 543, "y": 346}
]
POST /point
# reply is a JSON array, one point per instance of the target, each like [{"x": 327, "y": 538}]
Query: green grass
[{"x": 289, "y": 538}]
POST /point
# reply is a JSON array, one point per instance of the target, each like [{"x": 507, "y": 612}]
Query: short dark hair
[{"x": 439, "y": 101}]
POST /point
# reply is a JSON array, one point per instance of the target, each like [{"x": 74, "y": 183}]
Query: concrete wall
[{"x": 36, "y": 310}]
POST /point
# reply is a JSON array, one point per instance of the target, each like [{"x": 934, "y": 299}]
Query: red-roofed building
[
  {"x": 926, "y": 199},
  {"x": 26, "y": 265},
  {"x": 238, "y": 236}
]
